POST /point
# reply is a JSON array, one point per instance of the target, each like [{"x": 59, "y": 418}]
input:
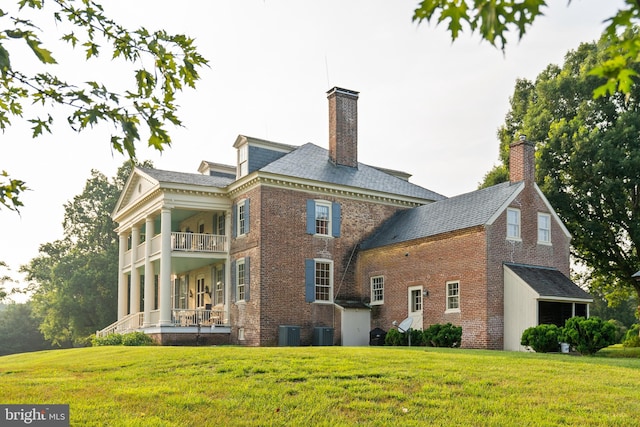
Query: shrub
[
  {"x": 632, "y": 339},
  {"x": 588, "y": 336},
  {"x": 542, "y": 338},
  {"x": 130, "y": 339},
  {"x": 395, "y": 337},
  {"x": 136, "y": 339},
  {"x": 111, "y": 339},
  {"x": 439, "y": 335}
]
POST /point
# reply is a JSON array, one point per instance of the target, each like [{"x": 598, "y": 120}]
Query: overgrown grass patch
[{"x": 167, "y": 386}]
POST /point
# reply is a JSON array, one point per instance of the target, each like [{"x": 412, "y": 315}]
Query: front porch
[{"x": 187, "y": 327}]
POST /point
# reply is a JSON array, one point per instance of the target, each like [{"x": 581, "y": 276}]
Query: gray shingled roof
[
  {"x": 548, "y": 281},
  {"x": 312, "y": 162},
  {"x": 457, "y": 213},
  {"x": 188, "y": 178}
]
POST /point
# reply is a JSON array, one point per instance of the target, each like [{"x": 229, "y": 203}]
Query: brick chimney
[
  {"x": 343, "y": 127},
  {"x": 522, "y": 161}
]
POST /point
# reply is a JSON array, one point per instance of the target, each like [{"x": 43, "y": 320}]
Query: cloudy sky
[{"x": 426, "y": 106}]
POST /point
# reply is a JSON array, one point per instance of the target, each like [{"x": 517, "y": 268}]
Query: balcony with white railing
[{"x": 198, "y": 242}]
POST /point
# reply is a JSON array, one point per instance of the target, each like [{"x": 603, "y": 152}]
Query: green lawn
[{"x": 211, "y": 386}]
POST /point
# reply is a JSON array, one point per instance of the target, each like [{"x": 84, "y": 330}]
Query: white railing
[
  {"x": 129, "y": 323},
  {"x": 186, "y": 317},
  {"x": 179, "y": 317},
  {"x": 198, "y": 242}
]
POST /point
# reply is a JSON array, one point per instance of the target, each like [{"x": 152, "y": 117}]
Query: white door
[
  {"x": 356, "y": 324},
  {"x": 415, "y": 306}
]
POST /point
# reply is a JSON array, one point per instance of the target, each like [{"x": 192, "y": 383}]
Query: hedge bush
[
  {"x": 130, "y": 339},
  {"x": 436, "y": 335},
  {"x": 542, "y": 338},
  {"x": 588, "y": 336},
  {"x": 439, "y": 335}
]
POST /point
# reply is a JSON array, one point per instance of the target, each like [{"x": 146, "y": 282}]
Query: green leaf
[
  {"x": 5, "y": 63},
  {"x": 43, "y": 54}
]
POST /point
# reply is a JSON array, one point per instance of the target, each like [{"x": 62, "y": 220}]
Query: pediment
[{"x": 136, "y": 188}]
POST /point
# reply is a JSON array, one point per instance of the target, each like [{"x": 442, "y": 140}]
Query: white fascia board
[
  {"x": 553, "y": 212},
  {"x": 506, "y": 204}
]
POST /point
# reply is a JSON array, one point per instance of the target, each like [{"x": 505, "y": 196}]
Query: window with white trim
[
  {"x": 323, "y": 218},
  {"x": 544, "y": 228},
  {"x": 377, "y": 290},
  {"x": 324, "y": 282},
  {"x": 513, "y": 224},
  {"x": 218, "y": 291},
  {"x": 241, "y": 214},
  {"x": 240, "y": 280},
  {"x": 200, "y": 290},
  {"x": 243, "y": 160},
  {"x": 453, "y": 296}
]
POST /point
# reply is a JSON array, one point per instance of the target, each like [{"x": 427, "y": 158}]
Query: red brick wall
[
  {"x": 278, "y": 245},
  {"x": 526, "y": 251},
  {"x": 431, "y": 263},
  {"x": 475, "y": 258}
]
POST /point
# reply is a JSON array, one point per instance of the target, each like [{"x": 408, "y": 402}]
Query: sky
[{"x": 427, "y": 106}]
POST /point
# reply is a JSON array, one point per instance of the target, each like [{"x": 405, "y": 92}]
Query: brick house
[{"x": 300, "y": 245}]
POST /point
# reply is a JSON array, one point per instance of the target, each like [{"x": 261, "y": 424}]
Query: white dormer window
[
  {"x": 243, "y": 160},
  {"x": 513, "y": 224}
]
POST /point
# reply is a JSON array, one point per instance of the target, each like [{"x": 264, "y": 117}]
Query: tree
[
  {"x": 74, "y": 280},
  {"x": 162, "y": 65},
  {"x": 494, "y": 19},
  {"x": 587, "y": 161},
  {"x": 19, "y": 330}
]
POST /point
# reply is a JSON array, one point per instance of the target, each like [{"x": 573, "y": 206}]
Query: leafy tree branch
[{"x": 162, "y": 65}]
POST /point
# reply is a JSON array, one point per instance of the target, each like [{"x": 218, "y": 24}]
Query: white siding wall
[{"x": 520, "y": 309}]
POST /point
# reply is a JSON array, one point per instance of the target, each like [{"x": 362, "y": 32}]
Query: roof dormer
[{"x": 254, "y": 153}]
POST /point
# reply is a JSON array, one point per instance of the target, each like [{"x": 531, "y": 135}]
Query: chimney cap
[
  {"x": 523, "y": 137},
  {"x": 342, "y": 91}
]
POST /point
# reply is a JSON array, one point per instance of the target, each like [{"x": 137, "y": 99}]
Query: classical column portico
[
  {"x": 149, "y": 273},
  {"x": 134, "y": 304},
  {"x": 122, "y": 278},
  {"x": 165, "y": 267}
]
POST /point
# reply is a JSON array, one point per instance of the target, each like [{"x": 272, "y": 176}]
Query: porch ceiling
[{"x": 181, "y": 264}]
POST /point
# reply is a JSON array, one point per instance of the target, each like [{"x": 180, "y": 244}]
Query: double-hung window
[
  {"x": 544, "y": 228},
  {"x": 319, "y": 280},
  {"x": 241, "y": 217},
  {"x": 323, "y": 218},
  {"x": 377, "y": 290},
  {"x": 513, "y": 224},
  {"x": 240, "y": 280},
  {"x": 453, "y": 296}
]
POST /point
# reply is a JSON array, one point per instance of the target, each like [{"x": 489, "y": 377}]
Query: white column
[
  {"x": 227, "y": 268},
  {"x": 149, "y": 272},
  {"x": 122, "y": 278},
  {"x": 134, "y": 304},
  {"x": 165, "y": 267}
]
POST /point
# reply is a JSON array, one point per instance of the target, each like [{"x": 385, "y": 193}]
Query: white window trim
[
  {"x": 243, "y": 160},
  {"x": 324, "y": 261},
  {"x": 452, "y": 310},
  {"x": 371, "y": 282},
  {"x": 548, "y": 216},
  {"x": 328, "y": 205},
  {"x": 239, "y": 263},
  {"x": 241, "y": 231},
  {"x": 517, "y": 238}
]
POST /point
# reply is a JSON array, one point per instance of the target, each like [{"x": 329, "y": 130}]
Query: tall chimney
[
  {"x": 522, "y": 161},
  {"x": 343, "y": 127}
]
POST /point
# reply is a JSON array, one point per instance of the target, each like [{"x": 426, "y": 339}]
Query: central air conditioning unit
[
  {"x": 322, "y": 335},
  {"x": 288, "y": 336}
]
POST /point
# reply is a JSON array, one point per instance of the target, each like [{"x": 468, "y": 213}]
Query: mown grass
[{"x": 189, "y": 386}]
